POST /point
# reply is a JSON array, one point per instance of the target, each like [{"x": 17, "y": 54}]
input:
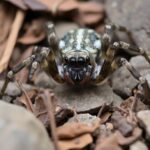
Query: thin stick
[
  {"x": 136, "y": 98},
  {"x": 48, "y": 103},
  {"x": 28, "y": 100},
  {"x": 101, "y": 110},
  {"x": 12, "y": 39}
]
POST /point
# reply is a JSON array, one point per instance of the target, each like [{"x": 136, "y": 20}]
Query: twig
[
  {"x": 101, "y": 110},
  {"x": 12, "y": 39},
  {"x": 56, "y": 5},
  {"x": 134, "y": 104},
  {"x": 48, "y": 98},
  {"x": 28, "y": 100},
  {"x": 41, "y": 113},
  {"x": 136, "y": 98},
  {"x": 121, "y": 109}
]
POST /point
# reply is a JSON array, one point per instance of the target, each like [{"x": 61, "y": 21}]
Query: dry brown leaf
[
  {"x": 18, "y": 3},
  {"x": 84, "y": 14},
  {"x": 7, "y": 15},
  {"x": 105, "y": 117},
  {"x": 88, "y": 15},
  {"x": 109, "y": 143},
  {"x": 76, "y": 143},
  {"x": 104, "y": 132},
  {"x": 34, "y": 32},
  {"x": 41, "y": 109},
  {"x": 113, "y": 141},
  {"x": 127, "y": 104},
  {"x": 120, "y": 122},
  {"x": 137, "y": 133},
  {"x": 62, "y": 113},
  {"x": 66, "y": 6},
  {"x": 41, "y": 112},
  {"x": 11, "y": 41},
  {"x": 29, "y": 4},
  {"x": 74, "y": 129},
  {"x": 31, "y": 94},
  {"x": 80, "y": 12}
]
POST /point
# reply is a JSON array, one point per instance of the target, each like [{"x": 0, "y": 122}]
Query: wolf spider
[{"x": 81, "y": 56}]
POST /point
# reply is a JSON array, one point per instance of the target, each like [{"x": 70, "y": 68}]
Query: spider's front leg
[
  {"x": 33, "y": 60},
  {"x": 53, "y": 42},
  {"x": 112, "y": 28},
  {"x": 138, "y": 51},
  {"x": 105, "y": 67},
  {"x": 142, "y": 81},
  {"x": 54, "y": 65},
  {"x": 110, "y": 31},
  {"x": 132, "y": 49},
  {"x": 102, "y": 70}
]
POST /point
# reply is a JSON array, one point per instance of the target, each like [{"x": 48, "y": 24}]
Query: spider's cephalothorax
[
  {"x": 81, "y": 56},
  {"x": 80, "y": 49}
]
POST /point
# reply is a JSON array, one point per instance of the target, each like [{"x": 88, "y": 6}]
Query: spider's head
[{"x": 77, "y": 67}]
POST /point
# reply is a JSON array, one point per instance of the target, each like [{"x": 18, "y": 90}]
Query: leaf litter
[{"x": 107, "y": 126}]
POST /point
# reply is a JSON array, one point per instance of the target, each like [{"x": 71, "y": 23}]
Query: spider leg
[
  {"x": 41, "y": 54},
  {"x": 109, "y": 33},
  {"x": 102, "y": 69},
  {"x": 31, "y": 60},
  {"x": 142, "y": 81},
  {"x": 111, "y": 28},
  {"x": 138, "y": 51},
  {"x": 105, "y": 67},
  {"x": 55, "y": 70},
  {"x": 53, "y": 41},
  {"x": 12, "y": 72},
  {"x": 132, "y": 49}
]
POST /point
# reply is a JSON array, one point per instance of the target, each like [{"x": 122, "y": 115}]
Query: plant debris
[{"x": 114, "y": 115}]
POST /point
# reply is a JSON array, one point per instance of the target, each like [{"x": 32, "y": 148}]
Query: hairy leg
[
  {"x": 131, "y": 49},
  {"x": 31, "y": 60},
  {"x": 105, "y": 67},
  {"x": 142, "y": 81}
]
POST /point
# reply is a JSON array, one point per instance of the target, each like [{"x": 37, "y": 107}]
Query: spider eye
[
  {"x": 72, "y": 60},
  {"x": 81, "y": 60}
]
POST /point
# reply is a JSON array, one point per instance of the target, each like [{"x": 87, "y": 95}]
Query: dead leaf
[
  {"x": 109, "y": 143},
  {"x": 137, "y": 133},
  {"x": 103, "y": 133},
  {"x": 34, "y": 32},
  {"x": 88, "y": 15},
  {"x": 116, "y": 140},
  {"x": 63, "y": 113},
  {"x": 74, "y": 129},
  {"x": 121, "y": 123},
  {"x": 76, "y": 143},
  {"x": 80, "y": 12},
  {"x": 104, "y": 118},
  {"x": 41, "y": 112},
  {"x": 7, "y": 15},
  {"x": 29, "y": 4},
  {"x": 31, "y": 94},
  {"x": 83, "y": 12},
  {"x": 18, "y": 3},
  {"x": 127, "y": 104}
]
